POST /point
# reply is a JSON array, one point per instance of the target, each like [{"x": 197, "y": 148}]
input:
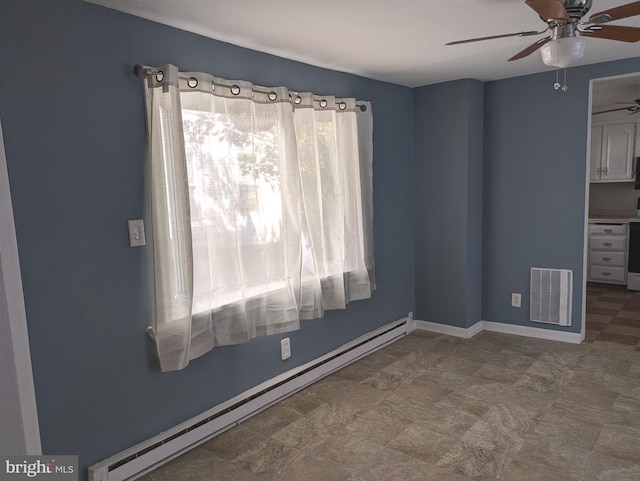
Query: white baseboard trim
[
  {"x": 454, "y": 331},
  {"x": 549, "y": 334},
  {"x": 536, "y": 332}
]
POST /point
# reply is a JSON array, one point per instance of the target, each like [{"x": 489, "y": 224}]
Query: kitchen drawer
[
  {"x": 607, "y": 274},
  {"x": 601, "y": 258},
  {"x": 608, "y": 229},
  {"x": 608, "y": 243}
]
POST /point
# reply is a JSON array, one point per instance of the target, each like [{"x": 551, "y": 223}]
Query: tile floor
[
  {"x": 435, "y": 408},
  {"x": 613, "y": 317}
]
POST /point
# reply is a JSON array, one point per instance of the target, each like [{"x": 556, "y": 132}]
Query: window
[{"x": 260, "y": 207}]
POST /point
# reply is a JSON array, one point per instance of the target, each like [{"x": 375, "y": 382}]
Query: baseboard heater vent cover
[{"x": 150, "y": 454}]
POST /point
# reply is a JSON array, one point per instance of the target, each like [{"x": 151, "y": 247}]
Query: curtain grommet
[
  {"x": 342, "y": 106},
  {"x": 192, "y": 82},
  {"x": 159, "y": 76},
  {"x": 235, "y": 89},
  {"x": 298, "y": 100},
  {"x": 323, "y": 103},
  {"x": 213, "y": 85},
  {"x": 272, "y": 96},
  {"x": 363, "y": 108}
]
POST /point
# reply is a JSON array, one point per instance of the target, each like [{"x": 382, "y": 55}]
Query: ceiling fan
[
  {"x": 634, "y": 108},
  {"x": 564, "y": 18}
]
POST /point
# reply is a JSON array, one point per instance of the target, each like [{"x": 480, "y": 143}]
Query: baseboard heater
[{"x": 148, "y": 455}]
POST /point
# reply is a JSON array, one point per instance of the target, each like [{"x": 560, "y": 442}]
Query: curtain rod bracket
[
  {"x": 150, "y": 333},
  {"x": 139, "y": 71}
]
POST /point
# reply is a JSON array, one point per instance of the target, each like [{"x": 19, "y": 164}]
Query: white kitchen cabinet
[
  {"x": 595, "y": 166},
  {"x": 608, "y": 253},
  {"x": 612, "y": 152}
]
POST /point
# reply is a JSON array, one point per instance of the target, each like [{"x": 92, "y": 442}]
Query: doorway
[{"x": 612, "y": 312}]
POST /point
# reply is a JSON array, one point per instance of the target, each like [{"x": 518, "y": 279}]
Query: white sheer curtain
[{"x": 259, "y": 209}]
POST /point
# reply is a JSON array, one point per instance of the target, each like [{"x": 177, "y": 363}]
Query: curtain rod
[{"x": 142, "y": 72}]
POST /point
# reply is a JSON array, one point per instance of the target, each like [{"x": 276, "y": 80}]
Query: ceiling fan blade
[
  {"x": 549, "y": 9},
  {"x": 612, "y": 110},
  {"x": 518, "y": 34},
  {"x": 613, "y": 32},
  {"x": 624, "y": 11},
  {"x": 530, "y": 49}
]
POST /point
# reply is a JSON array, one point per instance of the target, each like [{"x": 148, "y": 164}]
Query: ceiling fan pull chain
[{"x": 557, "y": 84}]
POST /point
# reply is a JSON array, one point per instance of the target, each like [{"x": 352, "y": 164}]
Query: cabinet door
[
  {"x": 596, "y": 153},
  {"x": 618, "y": 146}
]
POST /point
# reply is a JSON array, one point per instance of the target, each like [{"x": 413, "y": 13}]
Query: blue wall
[
  {"x": 532, "y": 195},
  {"x": 534, "y": 185},
  {"x": 73, "y": 121},
  {"x": 448, "y": 133},
  {"x": 73, "y": 124}
]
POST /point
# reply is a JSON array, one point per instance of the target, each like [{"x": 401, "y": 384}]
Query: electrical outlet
[
  {"x": 285, "y": 348},
  {"x": 516, "y": 299}
]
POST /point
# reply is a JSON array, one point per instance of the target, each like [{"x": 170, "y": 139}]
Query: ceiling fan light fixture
[{"x": 563, "y": 52}]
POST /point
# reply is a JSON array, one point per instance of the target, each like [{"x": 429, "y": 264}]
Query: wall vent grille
[{"x": 551, "y": 294}]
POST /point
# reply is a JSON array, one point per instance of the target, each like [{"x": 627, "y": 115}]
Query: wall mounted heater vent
[{"x": 551, "y": 293}]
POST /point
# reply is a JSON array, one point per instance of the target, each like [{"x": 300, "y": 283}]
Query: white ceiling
[{"x": 398, "y": 41}]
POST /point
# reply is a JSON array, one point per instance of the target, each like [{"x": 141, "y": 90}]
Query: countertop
[{"x": 609, "y": 220}]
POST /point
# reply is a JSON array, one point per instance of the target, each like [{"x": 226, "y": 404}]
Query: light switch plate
[{"x": 136, "y": 233}]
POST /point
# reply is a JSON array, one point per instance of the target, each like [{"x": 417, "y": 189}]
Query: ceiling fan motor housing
[
  {"x": 577, "y": 8},
  {"x": 563, "y": 31}
]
